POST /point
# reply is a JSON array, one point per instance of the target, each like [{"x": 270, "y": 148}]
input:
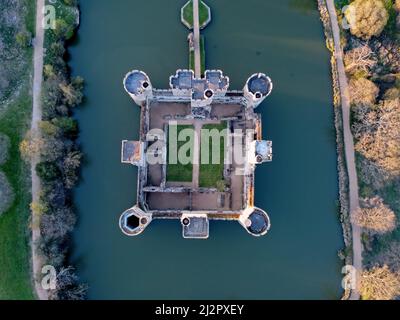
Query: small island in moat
[{"x": 200, "y": 119}]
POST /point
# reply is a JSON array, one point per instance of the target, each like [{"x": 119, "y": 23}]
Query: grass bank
[
  {"x": 15, "y": 278},
  {"x": 60, "y": 156},
  {"x": 15, "y": 114}
]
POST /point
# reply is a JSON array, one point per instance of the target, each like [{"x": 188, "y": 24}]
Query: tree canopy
[
  {"x": 367, "y": 18},
  {"x": 376, "y": 217},
  {"x": 379, "y": 283}
]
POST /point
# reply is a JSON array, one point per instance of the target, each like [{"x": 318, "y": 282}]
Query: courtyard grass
[
  {"x": 188, "y": 13},
  {"x": 180, "y": 172},
  {"x": 212, "y": 175}
]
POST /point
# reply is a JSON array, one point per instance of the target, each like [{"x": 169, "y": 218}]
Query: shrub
[
  {"x": 23, "y": 39},
  {"x": 57, "y": 224},
  {"x": 67, "y": 125},
  {"x": 54, "y": 193},
  {"x": 53, "y": 149},
  {"x": 48, "y": 129},
  {"x": 63, "y": 29},
  {"x": 72, "y": 92},
  {"x": 392, "y": 15},
  {"x": 47, "y": 171},
  {"x": 390, "y": 256}
]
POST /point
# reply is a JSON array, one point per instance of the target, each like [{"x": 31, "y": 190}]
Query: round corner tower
[
  {"x": 256, "y": 221},
  {"x": 137, "y": 84},
  {"x": 257, "y": 88}
]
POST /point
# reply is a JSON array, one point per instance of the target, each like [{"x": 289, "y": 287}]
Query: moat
[{"x": 298, "y": 258}]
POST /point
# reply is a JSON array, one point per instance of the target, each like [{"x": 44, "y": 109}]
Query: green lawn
[
  {"x": 15, "y": 253},
  {"x": 15, "y": 270},
  {"x": 180, "y": 172},
  {"x": 188, "y": 13},
  {"x": 213, "y": 174}
]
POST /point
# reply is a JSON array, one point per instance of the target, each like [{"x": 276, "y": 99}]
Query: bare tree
[
  {"x": 363, "y": 91},
  {"x": 72, "y": 92},
  {"x": 58, "y": 224},
  {"x": 380, "y": 143},
  {"x": 375, "y": 217},
  {"x": 53, "y": 149},
  {"x": 379, "y": 283},
  {"x": 360, "y": 59},
  {"x": 365, "y": 120},
  {"x": 72, "y": 163},
  {"x": 68, "y": 287}
]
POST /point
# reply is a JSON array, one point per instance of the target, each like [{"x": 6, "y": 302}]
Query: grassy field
[
  {"x": 180, "y": 172},
  {"x": 15, "y": 275},
  {"x": 15, "y": 270},
  {"x": 212, "y": 174},
  {"x": 188, "y": 13}
]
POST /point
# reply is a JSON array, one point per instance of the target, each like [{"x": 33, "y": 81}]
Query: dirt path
[
  {"x": 348, "y": 141},
  {"x": 36, "y": 117}
]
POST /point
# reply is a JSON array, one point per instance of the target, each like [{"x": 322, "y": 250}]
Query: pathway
[
  {"x": 36, "y": 118},
  {"x": 196, "y": 154},
  {"x": 348, "y": 141},
  {"x": 196, "y": 39}
]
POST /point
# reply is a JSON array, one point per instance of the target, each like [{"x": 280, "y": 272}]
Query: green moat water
[{"x": 297, "y": 259}]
